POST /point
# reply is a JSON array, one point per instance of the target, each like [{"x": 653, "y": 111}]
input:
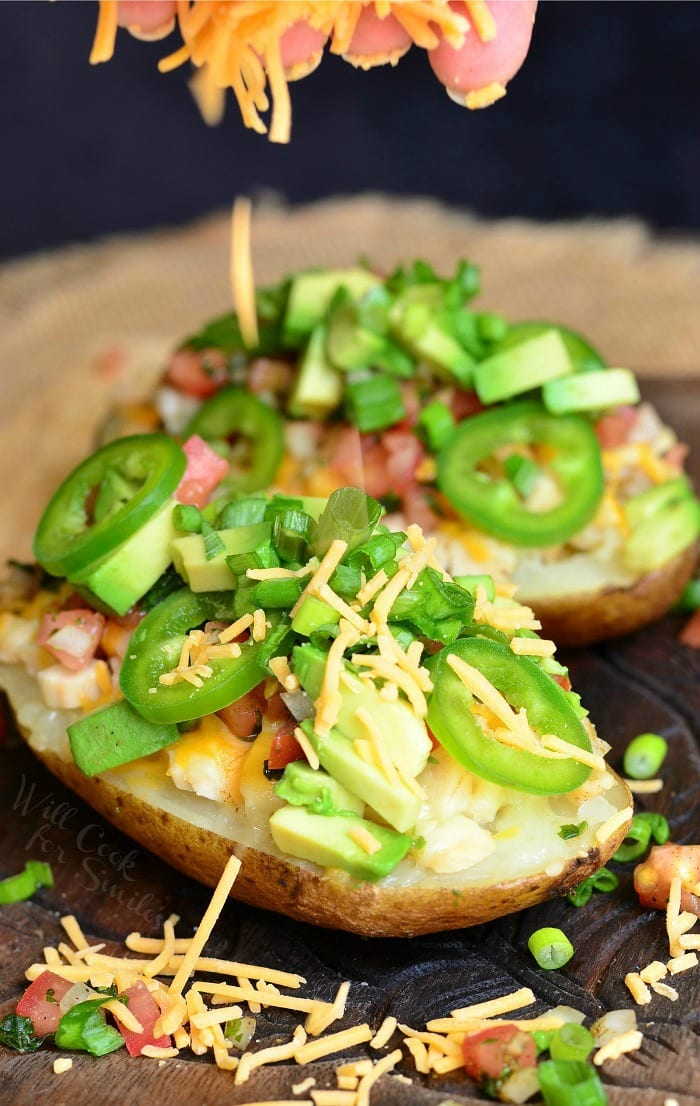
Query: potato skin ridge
[
  {"x": 331, "y": 901},
  {"x": 581, "y": 618}
]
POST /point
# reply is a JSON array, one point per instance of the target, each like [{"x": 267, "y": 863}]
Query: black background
[{"x": 603, "y": 119}]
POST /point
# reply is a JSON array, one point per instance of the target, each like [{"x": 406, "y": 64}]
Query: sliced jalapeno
[
  {"x": 154, "y": 649},
  {"x": 494, "y": 505},
  {"x": 247, "y": 432},
  {"x": 523, "y": 684},
  {"x": 105, "y": 500}
]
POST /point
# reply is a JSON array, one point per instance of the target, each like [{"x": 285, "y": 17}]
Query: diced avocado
[
  {"x": 116, "y": 735},
  {"x": 590, "y": 391},
  {"x": 523, "y": 367},
  {"x": 357, "y": 338},
  {"x": 426, "y": 336},
  {"x": 395, "y": 802},
  {"x": 310, "y": 295},
  {"x": 312, "y": 614},
  {"x": 330, "y": 841},
  {"x": 120, "y": 579},
  {"x": 191, "y": 562},
  {"x": 318, "y": 387},
  {"x": 302, "y": 785},
  {"x": 665, "y": 526},
  {"x": 404, "y": 734}
]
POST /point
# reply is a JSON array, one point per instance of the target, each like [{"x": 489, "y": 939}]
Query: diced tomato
[
  {"x": 285, "y": 748},
  {"x": 143, "y": 1006},
  {"x": 197, "y": 373},
  {"x": 613, "y": 428},
  {"x": 380, "y": 465},
  {"x": 690, "y": 634},
  {"x": 498, "y": 1052},
  {"x": 563, "y": 681},
  {"x": 276, "y": 710},
  {"x": 72, "y": 636},
  {"x": 205, "y": 469},
  {"x": 244, "y": 717},
  {"x": 652, "y": 878},
  {"x": 267, "y": 374},
  {"x": 417, "y": 508},
  {"x": 464, "y": 403},
  {"x": 676, "y": 455},
  {"x": 36, "y": 1004},
  {"x": 411, "y": 401}
]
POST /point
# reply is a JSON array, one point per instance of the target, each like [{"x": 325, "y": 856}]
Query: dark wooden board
[{"x": 648, "y": 681}]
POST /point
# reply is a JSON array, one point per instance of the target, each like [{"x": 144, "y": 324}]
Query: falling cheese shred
[{"x": 242, "y": 280}]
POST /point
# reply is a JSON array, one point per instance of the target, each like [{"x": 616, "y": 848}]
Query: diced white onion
[
  {"x": 299, "y": 704},
  {"x": 79, "y": 992},
  {"x": 71, "y": 640},
  {"x": 520, "y": 1086},
  {"x": 612, "y": 1025}
]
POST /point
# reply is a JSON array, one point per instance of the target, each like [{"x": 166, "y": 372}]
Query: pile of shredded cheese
[
  {"x": 236, "y": 44},
  {"x": 681, "y": 947},
  {"x": 194, "y": 1011}
]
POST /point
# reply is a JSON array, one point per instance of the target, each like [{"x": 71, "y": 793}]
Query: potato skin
[
  {"x": 335, "y": 902},
  {"x": 581, "y": 618}
]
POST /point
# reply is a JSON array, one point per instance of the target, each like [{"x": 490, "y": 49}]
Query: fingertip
[
  {"x": 479, "y": 65},
  {"x": 300, "y": 44},
  {"x": 146, "y": 18},
  {"x": 376, "y": 40}
]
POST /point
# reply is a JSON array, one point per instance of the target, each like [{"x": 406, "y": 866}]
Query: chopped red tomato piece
[
  {"x": 380, "y": 465},
  {"x": 676, "y": 455},
  {"x": 244, "y": 717},
  {"x": 205, "y": 469},
  {"x": 563, "y": 681},
  {"x": 690, "y": 634},
  {"x": 276, "y": 710},
  {"x": 614, "y": 428},
  {"x": 464, "y": 403},
  {"x": 285, "y": 748},
  {"x": 652, "y": 878},
  {"x": 498, "y": 1052},
  {"x": 40, "y": 1002},
  {"x": 72, "y": 636},
  {"x": 143, "y": 1006},
  {"x": 197, "y": 373}
]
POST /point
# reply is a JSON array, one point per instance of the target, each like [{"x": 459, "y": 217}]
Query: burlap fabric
[{"x": 88, "y": 326}]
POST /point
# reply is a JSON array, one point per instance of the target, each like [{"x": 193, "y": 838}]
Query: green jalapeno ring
[
  {"x": 154, "y": 649},
  {"x": 494, "y": 505},
  {"x": 523, "y": 683},
  {"x": 66, "y": 543},
  {"x": 235, "y": 412}
]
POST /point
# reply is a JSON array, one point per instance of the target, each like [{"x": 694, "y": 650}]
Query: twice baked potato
[
  {"x": 387, "y": 749},
  {"x": 514, "y": 443}
]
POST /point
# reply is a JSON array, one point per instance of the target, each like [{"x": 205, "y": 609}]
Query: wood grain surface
[{"x": 645, "y": 682}]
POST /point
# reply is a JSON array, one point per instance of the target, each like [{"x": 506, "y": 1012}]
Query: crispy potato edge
[{"x": 332, "y": 901}]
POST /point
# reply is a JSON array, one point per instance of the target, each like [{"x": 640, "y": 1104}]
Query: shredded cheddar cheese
[{"x": 237, "y": 46}]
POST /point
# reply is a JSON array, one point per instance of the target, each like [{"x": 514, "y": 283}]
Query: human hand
[{"x": 475, "y": 74}]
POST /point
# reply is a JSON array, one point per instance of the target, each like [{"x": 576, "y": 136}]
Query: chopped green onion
[
  {"x": 492, "y": 327},
  {"x": 281, "y": 503},
  {"x": 240, "y": 1031},
  {"x": 346, "y": 581},
  {"x": 278, "y": 594},
  {"x": 542, "y": 1039},
  {"x": 313, "y": 614},
  {"x": 570, "y": 1083},
  {"x": 571, "y": 829},
  {"x": 378, "y": 552},
  {"x": 187, "y": 517},
  {"x": 643, "y": 827},
  {"x": 550, "y": 947},
  {"x": 242, "y": 512},
  {"x": 374, "y": 403},
  {"x": 644, "y": 756},
  {"x": 602, "y": 881},
  {"x": 23, "y": 885},
  {"x": 292, "y": 530},
  {"x": 522, "y": 472},
  {"x": 278, "y": 643},
  {"x": 571, "y": 1042},
  {"x": 84, "y": 1028},
  {"x": 213, "y": 545},
  {"x": 472, "y": 581},
  {"x": 265, "y": 556},
  {"x": 350, "y": 515},
  {"x": 17, "y": 1032},
  {"x": 437, "y": 423}
]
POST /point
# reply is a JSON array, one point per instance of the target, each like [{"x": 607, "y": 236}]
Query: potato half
[{"x": 197, "y": 836}]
